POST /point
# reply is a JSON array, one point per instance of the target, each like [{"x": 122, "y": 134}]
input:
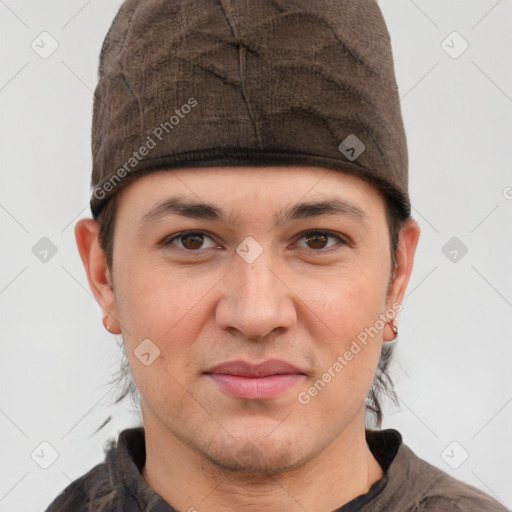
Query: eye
[
  {"x": 317, "y": 239},
  {"x": 191, "y": 241}
]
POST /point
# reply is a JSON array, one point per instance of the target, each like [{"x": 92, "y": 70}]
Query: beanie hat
[{"x": 248, "y": 82}]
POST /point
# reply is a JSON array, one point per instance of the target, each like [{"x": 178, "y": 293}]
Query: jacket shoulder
[
  {"x": 444, "y": 493},
  {"x": 92, "y": 491}
]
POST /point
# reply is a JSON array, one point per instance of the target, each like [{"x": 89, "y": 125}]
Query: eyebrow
[{"x": 201, "y": 210}]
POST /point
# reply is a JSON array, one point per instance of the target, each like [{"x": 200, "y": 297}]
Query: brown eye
[
  {"x": 191, "y": 241},
  {"x": 318, "y": 240}
]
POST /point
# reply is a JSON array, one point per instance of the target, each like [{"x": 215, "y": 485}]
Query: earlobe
[
  {"x": 96, "y": 268},
  {"x": 109, "y": 328}
]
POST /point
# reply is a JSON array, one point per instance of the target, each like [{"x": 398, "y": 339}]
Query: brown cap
[{"x": 248, "y": 82}]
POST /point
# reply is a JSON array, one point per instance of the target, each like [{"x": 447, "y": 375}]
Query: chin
[
  {"x": 256, "y": 454},
  {"x": 249, "y": 460}
]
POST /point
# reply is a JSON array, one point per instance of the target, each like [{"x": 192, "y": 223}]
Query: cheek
[
  {"x": 348, "y": 354},
  {"x": 348, "y": 339},
  {"x": 351, "y": 302},
  {"x": 162, "y": 311},
  {"x": 166, "y": 307},
  {"x": 157, "y": 299}
]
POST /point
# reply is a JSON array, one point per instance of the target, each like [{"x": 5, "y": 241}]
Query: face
[{"x": 251, "y": 280}]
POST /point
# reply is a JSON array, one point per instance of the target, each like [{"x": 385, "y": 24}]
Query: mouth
[{"x": 261, "y": 381}]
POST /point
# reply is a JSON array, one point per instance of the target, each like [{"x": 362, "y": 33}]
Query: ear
[
  {"x": 408, "y": 241},
  {"x": 98, "y": 274}
]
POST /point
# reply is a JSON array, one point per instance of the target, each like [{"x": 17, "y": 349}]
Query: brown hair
[{"x": 382, "y": 384}]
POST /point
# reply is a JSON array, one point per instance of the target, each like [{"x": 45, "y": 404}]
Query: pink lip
[{"x": 255, "y": 382}]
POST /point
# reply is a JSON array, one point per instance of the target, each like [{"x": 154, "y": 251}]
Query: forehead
[{"x": 248, "y": 190}]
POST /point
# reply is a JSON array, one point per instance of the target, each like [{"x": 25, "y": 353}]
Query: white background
[{"x": 454, "y": 352}]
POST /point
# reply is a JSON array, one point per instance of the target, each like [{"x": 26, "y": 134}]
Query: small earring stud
[
  {"x": 394, "y": 328},
  {"x": 107, "y": 326}
]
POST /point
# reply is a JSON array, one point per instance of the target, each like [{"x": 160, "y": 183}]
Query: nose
[{"x": 256, "y": 299}]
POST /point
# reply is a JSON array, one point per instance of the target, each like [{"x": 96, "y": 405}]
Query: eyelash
[{"x": 330, "y": 234}]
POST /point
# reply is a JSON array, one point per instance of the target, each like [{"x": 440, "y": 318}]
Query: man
[{"x": 252, "y": 242}]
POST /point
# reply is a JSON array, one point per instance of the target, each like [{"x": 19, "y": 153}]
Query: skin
[{"x": 301, "y": 300}]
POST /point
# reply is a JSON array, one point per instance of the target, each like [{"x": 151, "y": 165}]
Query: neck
[{"x": 187, "y": 481}]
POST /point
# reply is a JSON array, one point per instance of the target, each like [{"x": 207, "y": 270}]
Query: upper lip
[{"x": 264, "y": 369}]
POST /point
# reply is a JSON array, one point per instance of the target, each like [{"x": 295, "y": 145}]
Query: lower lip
[{"x": 256, "y": 388}]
